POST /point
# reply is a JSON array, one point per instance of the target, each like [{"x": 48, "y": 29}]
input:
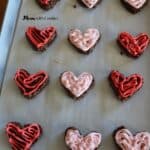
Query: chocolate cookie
[
  {"x": 47, "y": 4},
  {"x": 134, "y": 6},
  {"x": 75, "y": 141},
  {"x": 133, "y": 46},
  {"x": 84, "y": 42},
  {"x": 125, "y": 87},
  {"x": 22, "y": 138},
  {"x": 40, "y": 39},
  {"x": 125, "y": 140},
  {"x": 76, "y": 86},
  {"x": 30, "y": 84}
]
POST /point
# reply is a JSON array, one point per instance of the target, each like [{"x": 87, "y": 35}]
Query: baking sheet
[{"x": 99, "y": 110}]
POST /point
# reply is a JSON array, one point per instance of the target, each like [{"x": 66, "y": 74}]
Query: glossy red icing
[
  {"x": 41, "y": 38},
  {"x": 125, "y": 86},
  {"x": 46, "y": 2},
  {"x": 22, "y": 138},
  {"x": 134, "y": 46},
  {"x": 30, "y": 84}
]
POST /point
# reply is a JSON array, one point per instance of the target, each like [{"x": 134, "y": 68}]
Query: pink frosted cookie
[
  {"x": 127, "y": 141},
  {"x": 134, "y": 5},
  {"x": 76, "y": 86},
  {"x": 90, "y": 3},
  {"x": 84, "y": 42},
  {"x": 75, "y": 141}
]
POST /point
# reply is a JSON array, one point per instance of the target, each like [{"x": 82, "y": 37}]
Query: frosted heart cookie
[
  {"x": 76, "y": 86},
  {"x": 133, "y": 45},
  {"x": 75, "y": 141},
  {"x": 40, "y": 39},
  {"x": 125, "y": 87},
  {"x": 84, "y": 42},
  {"x": 22, "y": 137},
  {"x": 47, "y": 4},
  {"x": 89, "y": 3},
  {"x": 134, "y": 5},
  {"x": 30, "y": 84},
  {"x": 127, "y": 141}
]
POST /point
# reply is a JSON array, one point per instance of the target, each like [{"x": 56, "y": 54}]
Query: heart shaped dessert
[
  {"x": 47, "y": 4},
  {"x": 125, "y": 87},
  {"x": 86, "y": 41},
  {"x": 90, "y": 3},
  {"x": 75, "y": 141},
  {"x": 76, "y": 86},
  {"x": 126, "y": 141},
  {"x": 134, "y": 5},
  {"x": 22, "y": 138},
  {"x": 40, "y": 39},
  {"x": 134, "y": 46},
  {"x": 31, "y": 85}
]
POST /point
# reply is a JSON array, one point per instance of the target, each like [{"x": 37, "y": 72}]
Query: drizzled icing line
[
  {"x": 41, "y": 38},
  {"x": 127, "y": 141},
  {"x": 135, "y": 46},
  {"x": 125, "y": 86},
  {"x": 46, "y": 4},
  {"x": 22, "y": 138},
  {"x": 75, "y": 141},
  {"x": 30, "y": 84}
]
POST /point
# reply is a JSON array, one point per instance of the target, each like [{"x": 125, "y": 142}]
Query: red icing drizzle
[
  {"x": 126, "y": 86},
  {"x": 30, "y": 84},
  {"x": 40, "y": 38},
  {"x": 23, "y": 138},
  {"x": 135, "y": 46},
  {"x": 46, "y": 2}
]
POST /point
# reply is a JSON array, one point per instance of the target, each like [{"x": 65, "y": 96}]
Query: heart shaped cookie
[
  {"x": 125, "y": 87},
  {"x": 31, "y": 85},
  {"x": 75, "y": 141},
  {"x": 134, "y": 5},
  {"x": 47, "y": 4},
  {"x": 22, "y": 138},
  {"x": 126, "y": 141},
  {"x": 76, "y": 86},
  {"x": 134, "y": 46},
  {"x": 90, "y": 3},
  {"x": 86, "y": 41},
  {"x": 40, "y": 39}
]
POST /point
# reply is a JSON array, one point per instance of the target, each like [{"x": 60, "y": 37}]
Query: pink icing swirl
[
  {"x": 75, "y": 141},
  {"x": 84, "y": 41},
  {"x": 127, "y": 141},
  {"x": 90, "y": 3},
  {"x": 136, "y": 3},
  {"x": 77, "y": 85}
]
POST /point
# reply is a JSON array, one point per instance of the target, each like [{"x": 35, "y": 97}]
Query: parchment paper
[{"x": 99, "y": 110}]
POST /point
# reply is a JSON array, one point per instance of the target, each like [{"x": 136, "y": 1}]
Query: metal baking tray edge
[{"x": 6, "y": 35}]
